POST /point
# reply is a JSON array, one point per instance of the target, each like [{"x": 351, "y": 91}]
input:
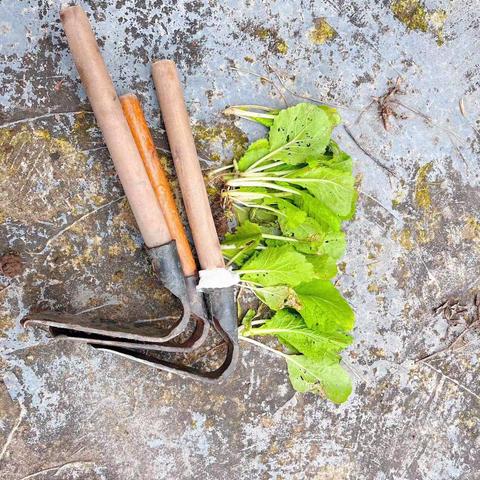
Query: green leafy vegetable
[
  {"x": 324, "y": 266},
  {"x": 264, "y": 115},
  {"x": 277, "y": 266},
  {"x": 300, "y": 133},
  {"x": 239, "y": 245},
  {"x": 334, "y": 188},
  {"x": 334, "y": 244},
  {"x": 323, "y": 307},
  {"x": 277, "y": 297},
  {"x": 247, "y": 319},
  {"x": 317, "y": 210},
  {"x": 324, "y": 376},
  {"x": 290, "y": 328},
  {"x": 255, "y": 151},
  {"x": 291, "y": 192}
]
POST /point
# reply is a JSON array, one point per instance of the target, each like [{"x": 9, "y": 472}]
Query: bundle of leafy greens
[{"x": 291, "y": 192}]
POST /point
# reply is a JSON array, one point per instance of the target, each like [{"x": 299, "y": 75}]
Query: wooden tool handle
[
  {"x": 116, "y": 133},
  {"x": 144, "y": 141},
  {"x": 187, "y": 166}
]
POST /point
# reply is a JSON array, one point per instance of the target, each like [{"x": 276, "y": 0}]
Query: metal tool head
[
  {"x": 221, "y": 306},
  {"x": 222, "y": 310},
  {"x": 141, "y": 341},
  {"x": 138, "y": 334}
]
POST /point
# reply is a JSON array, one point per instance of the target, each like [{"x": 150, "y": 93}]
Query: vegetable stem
[
  {"x": 253, "y": 107},
  {"x": 267, "y": 156},
  {"x": 243, "y": 272},
  {"x": 262, "y": 207},
  {"x": 260, "y": 321},
  {"x": 244, "y": 112},
  {"x": 266, "y": 184},
  {"x": 214, "y": 173},
  {"x": 256, "y": 195},
  {"x": 279, "y": 237},
  {"x": 238, "y": 254},
  {"x": 235, "y": 182},
  {"x": 262, "y": 345},
  {"x": 257, "y": 172},
  {"x": 252, "y": 195},
  {"x": 265, "y": 167}
]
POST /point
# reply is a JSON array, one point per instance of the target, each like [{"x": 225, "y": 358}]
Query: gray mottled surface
[{"x": 68, "y": 412}]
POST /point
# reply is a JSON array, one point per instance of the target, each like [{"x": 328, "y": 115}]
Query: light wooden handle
[
  {"x": 116, "y": 133},
  {"x": 158, "y": 178},
  {"x": 187, "y": 166}
]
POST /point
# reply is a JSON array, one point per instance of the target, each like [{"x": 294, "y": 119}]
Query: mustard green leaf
[
  {"x": 333, "y": 116},
  {"x": 277, "y": 297},
  {"x": 244, "y": 234},
  {"x": 334, "y": 158},
  {"x": 334, "y": 188},
  {"x": 277, "y": 266},
  {"x": 288, "y": 214},
  {"x": 247, "y": 319},
  {"x": 353, "y": 207},
  {"x": 318, "y": 210},
  {"x": 255, "y": 113},
  {"x": 324, "y": 266},
  {"x": 324, "y": 376},
  {"x": 241, "y": 244},
  {"x": 334, "y": 244},
  {"x": 254, "y": 152},
  {"x": 291, "y": 328},
  {"x": 300, "y": 133},
  {"x": 323, "y": 307}
]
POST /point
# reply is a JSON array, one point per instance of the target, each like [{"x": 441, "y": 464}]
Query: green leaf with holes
[
  {"x": 277, "y": 266},
  {"x": 301, "y": 133},
  {"x": 277, "y": 297},
  {"x": 324, "y": 376}
]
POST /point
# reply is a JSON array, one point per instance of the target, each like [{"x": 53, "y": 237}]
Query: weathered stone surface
[{"x": 72, "y": 413}]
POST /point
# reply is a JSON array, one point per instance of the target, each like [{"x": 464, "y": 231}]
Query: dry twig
[
  {"x": 386, "y": 104},
  {"x": 456, "y": 313}
]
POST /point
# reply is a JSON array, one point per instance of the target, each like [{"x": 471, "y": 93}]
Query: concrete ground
[{"x": 69, "y": 412}]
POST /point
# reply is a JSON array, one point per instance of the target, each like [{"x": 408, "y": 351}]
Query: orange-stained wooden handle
[
  {"x": 177, "y": 124},
  {"x": 143, "y": 138}
]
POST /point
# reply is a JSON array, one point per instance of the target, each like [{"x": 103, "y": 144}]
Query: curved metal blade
[
  {"x": 135, "y": 334},
  {"x": 222, "y": 310}
]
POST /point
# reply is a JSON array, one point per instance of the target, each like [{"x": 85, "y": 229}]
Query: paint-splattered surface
[{"x": 68, "y": 412}]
